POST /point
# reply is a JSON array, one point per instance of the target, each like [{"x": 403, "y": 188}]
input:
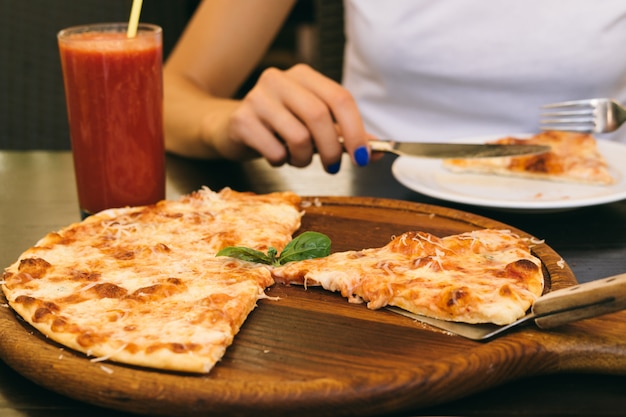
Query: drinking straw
[{"x": 133, "y": 21}]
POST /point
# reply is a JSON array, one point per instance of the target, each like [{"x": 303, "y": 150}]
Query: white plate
[{"x": 429, "y": 177}]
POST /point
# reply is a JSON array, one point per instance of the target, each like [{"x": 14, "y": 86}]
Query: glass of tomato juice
[{"x": 114, "y": 96}]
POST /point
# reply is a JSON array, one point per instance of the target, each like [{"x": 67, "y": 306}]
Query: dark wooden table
[{"x": 37, "y": 195}]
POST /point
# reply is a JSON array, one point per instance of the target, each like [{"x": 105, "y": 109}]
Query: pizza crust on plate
[{"x": 574, "y": 157}]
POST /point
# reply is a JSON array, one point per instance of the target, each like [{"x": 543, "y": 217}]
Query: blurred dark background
[{"x": 32, "y": 101}]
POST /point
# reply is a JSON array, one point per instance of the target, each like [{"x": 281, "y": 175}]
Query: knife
[{"x": 454, "y": 150}]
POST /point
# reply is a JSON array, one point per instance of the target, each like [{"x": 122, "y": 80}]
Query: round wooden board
[{"x": 313, "y": 353}]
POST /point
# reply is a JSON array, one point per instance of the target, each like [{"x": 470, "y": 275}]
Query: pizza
[
  {"x": 149, "y": 286},
  {"x": 483, "y": 276},
  {"x": 573, "y": 157},
  {"x": 142, "y": 285}
]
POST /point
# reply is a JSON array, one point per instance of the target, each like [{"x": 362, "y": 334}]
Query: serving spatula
[{"x": 553, "y": 309}]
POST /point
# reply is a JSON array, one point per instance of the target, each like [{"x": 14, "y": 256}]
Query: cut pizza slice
[
  {"x": 142, "y": 285},
  {"x": 574, "y": 157},
  {"x": 483, "y": 276}
]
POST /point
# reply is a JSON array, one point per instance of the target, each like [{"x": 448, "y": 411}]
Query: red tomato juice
[{"x": 114, "y": 95}]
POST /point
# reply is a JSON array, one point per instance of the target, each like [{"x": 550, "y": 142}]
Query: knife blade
[{"x": 454, "y": 150}]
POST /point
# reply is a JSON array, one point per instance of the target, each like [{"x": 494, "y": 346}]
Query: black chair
[{"x": 331, "y": 37}]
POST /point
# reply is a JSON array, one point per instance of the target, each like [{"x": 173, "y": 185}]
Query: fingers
[
  {"x": 290, "y": 115},
  {"x": 247, "y": 128},
  {"x": 342, "y": 107}
]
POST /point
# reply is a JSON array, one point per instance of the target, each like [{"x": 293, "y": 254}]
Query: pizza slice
[
  {"x": 574, "y": 157},
  {"x": 142, "y": 285},
  {"x": 483, "y": 276}
]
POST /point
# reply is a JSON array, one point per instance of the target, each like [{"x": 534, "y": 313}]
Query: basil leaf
[
  {"x": 308, "y": 245},
  {"x": 245, "y": 254}
]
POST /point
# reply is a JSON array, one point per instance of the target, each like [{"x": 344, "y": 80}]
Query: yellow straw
[{"x": 134, "y": 18}]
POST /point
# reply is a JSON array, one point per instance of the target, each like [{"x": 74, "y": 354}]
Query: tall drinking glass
[{"x": 114, "y": 97}]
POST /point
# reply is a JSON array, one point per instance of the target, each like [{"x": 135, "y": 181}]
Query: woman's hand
[{"x": 290, "y": 115}]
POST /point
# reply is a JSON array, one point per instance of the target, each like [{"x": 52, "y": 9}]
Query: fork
[{"x": 597, "y": 115}]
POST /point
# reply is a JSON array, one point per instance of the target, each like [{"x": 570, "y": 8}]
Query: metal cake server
[{"x": 553, "y": 309}]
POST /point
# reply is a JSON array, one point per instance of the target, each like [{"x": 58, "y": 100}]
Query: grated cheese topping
[
  {"x": 142, "y": 285},
  {"x": 480, "y": 276}
]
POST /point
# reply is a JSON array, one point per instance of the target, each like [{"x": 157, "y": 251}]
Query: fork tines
[
  {"x": 575, "y": 115},
  {"x": 590, "y": 103}
]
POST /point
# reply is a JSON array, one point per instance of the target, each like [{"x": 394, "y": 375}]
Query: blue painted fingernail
[
  {"x": 362, "y": 156},
  {"x": 333, "y": 168}
]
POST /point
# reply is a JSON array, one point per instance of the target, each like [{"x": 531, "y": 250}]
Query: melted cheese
[
  {"x": 479, "y": 276},
  {"x": 143, "y": 286},
  {"x": 573, "y": 157}
]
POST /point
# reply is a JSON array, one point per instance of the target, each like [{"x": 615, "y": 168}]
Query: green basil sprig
[{"x": 308, "y": 245}]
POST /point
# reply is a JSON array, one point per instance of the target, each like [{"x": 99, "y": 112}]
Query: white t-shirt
[{"x": 428, "y": 70}]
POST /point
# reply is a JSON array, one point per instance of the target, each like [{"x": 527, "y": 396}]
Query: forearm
[
  {"x": 220, "y": 47},
  {"x": 196, "y": 122}
]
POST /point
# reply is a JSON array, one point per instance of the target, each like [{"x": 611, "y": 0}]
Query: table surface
[{"x": 37, "y": 195}]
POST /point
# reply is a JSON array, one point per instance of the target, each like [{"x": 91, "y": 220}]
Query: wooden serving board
[{"x": 313, "y": 353}]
